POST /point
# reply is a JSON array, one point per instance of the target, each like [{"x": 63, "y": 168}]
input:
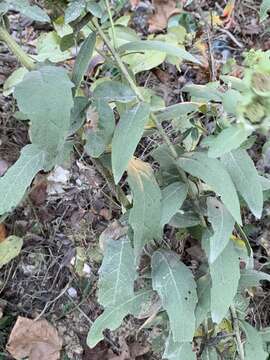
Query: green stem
[
  {"x": 23, "y": 58},
  {"x": 112, "y": 24},
  {"x": 236, "y": 328},
  {"x": 159, "y": 127}
]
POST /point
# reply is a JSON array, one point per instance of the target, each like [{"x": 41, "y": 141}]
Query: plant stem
[
  {"x": 236, "y": 328},
  {"x": 112, "y": 24},
  {"x": 23, "y": 58},
  {"x": 159, "y": 127}
]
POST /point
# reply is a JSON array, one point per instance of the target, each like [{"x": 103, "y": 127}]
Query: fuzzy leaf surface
[
  {"x": 176, "y": 287},
  {"x": 111, "y": 90},
  {"x": 117, "y": 272},
  {"x": 176, "y": 351},
  {"x": 33, "y": 12},
  {"x": 145, "y": 214},
  {"x": 126, "y": 137},
  {"x": 214, "y": 174},
  {"x": 222, "y": 223},
  {"x": 19, "y": 176},
  {"x": 254, "y": 348},
  {"x": 246, "y": 179},
  {"x": 49, "y": 89},
  {"x": 173, "y": 197}
]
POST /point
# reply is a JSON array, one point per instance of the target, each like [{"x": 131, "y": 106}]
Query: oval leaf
[
  {"x": 176, "y": 287},
  {"x": 159, "y": 46},
  {"x": 222, "y": 223},
  {"x": 145, "y": 214},
  {"x": 214, "y": 174},
  {"x": 9, "y": 249},
  {"x": 110, "y": 90}
]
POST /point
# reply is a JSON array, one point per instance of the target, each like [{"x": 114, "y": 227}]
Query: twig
[
  {"x": 232, "y": 37},
  {"x": 112, "y": 24},
  {"x": 236, "y": 328}
]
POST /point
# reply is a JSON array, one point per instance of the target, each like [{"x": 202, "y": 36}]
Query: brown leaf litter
[
  {"x": 164, "y": 9},
  {"x": 34, "y": 339}
]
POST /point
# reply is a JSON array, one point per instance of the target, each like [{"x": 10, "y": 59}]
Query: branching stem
[{"x": 159, "y": 127}]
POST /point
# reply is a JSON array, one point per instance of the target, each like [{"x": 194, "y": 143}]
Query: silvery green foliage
[
  {"x": 198, "y": 191},
  {"x": 33, "y": 12}
]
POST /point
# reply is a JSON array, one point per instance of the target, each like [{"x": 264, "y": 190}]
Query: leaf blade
[
  {"x": 176, "y": 287},
  {"x": 128, "y": 131}
]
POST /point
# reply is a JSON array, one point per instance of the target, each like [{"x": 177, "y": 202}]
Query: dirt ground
[{"x": 43, "y": 281}]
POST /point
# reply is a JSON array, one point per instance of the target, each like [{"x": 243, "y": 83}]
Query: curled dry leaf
[
  {"x": 164, "y": 9},
  {"x": 35, "y": 340},
  {"x": 3, "y": 232}
]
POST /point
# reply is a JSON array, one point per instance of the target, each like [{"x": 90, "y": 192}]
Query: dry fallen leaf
[
  {"x": 164, "y": 9},
  {"x": 3, "y": 232},
  {"x": 37, "y": 340}
]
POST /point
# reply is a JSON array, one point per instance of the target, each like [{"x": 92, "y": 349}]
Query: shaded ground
[{"x": 43, "y": 280}]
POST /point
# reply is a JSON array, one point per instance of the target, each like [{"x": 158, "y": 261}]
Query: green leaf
[
  {"x": 177, "y": 351},
  {"x": 222, "y": 223},
  {"x": 254, "y": 348},
  {"x": 225, "y": 275},
  {"x": 203, "y": 307},
  {"x": 49, "y": 48},
  {"x": 78, "y": 113},
  {"x": 49, "y": 89},
  {"x": 14, "y": 79},
  {"x": 9, "y": 249},
  {"x": 145, "y": 214},
  {"x": 210, "y": 354},
  {"x": 127, "y": 135},
  {"x": 19, "y": 176},
  {"x": 117, "y": 272},
  {"x": 246, "y": 179},
  {"x": 173, "y": 197},
  {"x": 74, "y": 10},
  {"x": 186, "y": 219},
  {"x": 207, "y": 92},
  {"x": 110, "y": 90},
  {"x": 228, "y": 140},
  {"x": 143, "y": 62},
  {"x": 213, "y": 173},
  {"x": 265, "y": 7},
  {"x": 265, "y": 183},
  {"x": 31, "y": 11},
  {"x": 176, "y": 287},
  {"x": 251, "y": 278},
  {"x": 176, "y": 110},
  {"x": 99, "y": 136},
  {"x": 83, "y": 58},
  {"x": 112, "y": 317},
  {"x": 160, "y": 46}
]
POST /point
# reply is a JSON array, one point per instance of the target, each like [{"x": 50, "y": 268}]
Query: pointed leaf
[
  {"x": 246, "y": 179},
  {"x": 127, "y": 135},
  {"x": 222, "y": 223},
  {"x": 173, "y": 197},
  {"x": 74, "y": 10},
  {"x": 9, "y": 249},
  {"x": 176, "y": 287},
  {"x": 145, "y": 214},
  {"x": 83, "y": 58},
  {"x": 176, "y": 110},
  {"x": 49, "y": 89},
  {"x": 31, "y": 11},
  {"x": 99, "y": 136},
  {"x": 250, "y": 278},
  {"x": 112, "y": 317},
  {"x": 212, "y": 172},
  {"x": 254, "y": 348},
  {"x": 228, "y": 140},
  {"x": 159, "y": 46},
  {"x": 176, "y": 351},
  {"x": 117, "y": 272},
  {"x": 265, "y": 7},
  {"x": 110, "y": 90},
  {"x": 203, "y": 307},
  {"x": 182, "y": 220},
  {"x": 19, "y": 176},
  {"x": 225, "y": 275}
]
